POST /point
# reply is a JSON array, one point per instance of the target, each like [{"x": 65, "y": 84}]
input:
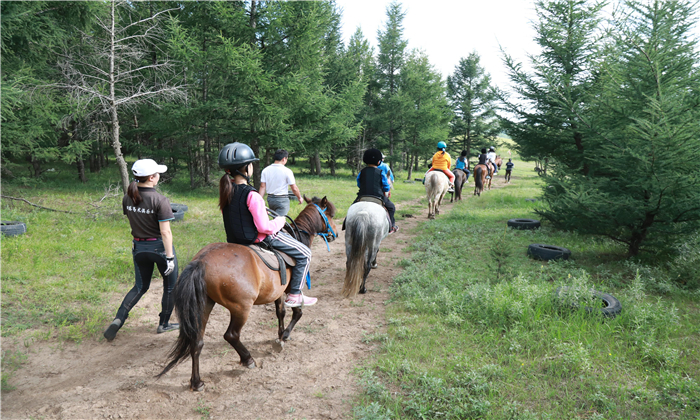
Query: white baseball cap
[{"x": 147, "y": 167}]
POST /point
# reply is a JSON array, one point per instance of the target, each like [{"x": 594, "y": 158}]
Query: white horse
[
  {"x": 436, "y": 186},
  {"x": 366, "y": 225}
]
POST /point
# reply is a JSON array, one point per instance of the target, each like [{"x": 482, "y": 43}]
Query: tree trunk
[
  {"x": 317, "y": 162},
  {"x": 331, "y": 163},
  {"x": 409, "y": 167},
  {"x": 81, "y": 169},
  {"x": 116, "y": 145}
]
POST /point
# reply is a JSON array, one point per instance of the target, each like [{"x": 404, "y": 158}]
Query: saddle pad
[
  {"x": 370, "y": 199},
  {"x": 270, "y": 259}
]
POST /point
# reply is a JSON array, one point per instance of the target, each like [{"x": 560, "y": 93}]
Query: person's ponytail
[
  {"x": 133, "y": 190},
  {"x": 225, "y": 191}
]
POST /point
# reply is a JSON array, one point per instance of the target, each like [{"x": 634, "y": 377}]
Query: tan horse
[
  {"x": 436, "y": 186},
  {"x": 480, "y": 172},
  {"x": 235, "y": 277}
]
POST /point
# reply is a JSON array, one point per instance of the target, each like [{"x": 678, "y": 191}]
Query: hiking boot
[
  {"x": 393, "y": 229},
  {"x": 294, "y": 301},
  {"x": 111, "y": 331},
  {"x": 488, "y": 177},
  {"x": 167, "y": 327}
]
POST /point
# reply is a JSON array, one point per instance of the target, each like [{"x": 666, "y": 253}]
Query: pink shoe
[{"x": 294, "y": 301}]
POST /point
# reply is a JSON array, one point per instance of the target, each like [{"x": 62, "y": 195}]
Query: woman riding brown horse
[{"x": 234, "y": 276}]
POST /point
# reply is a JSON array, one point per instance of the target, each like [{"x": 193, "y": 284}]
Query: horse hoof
[
  {"x": 363, "y": 291},
  {"x": 280, "y": 343},
  {"x": 374, "y": 265},
  {"x": 198, "y": 388},
  {"x": 250, "y": 365}
]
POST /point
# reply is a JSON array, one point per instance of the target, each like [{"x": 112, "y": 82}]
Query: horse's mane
[{"x": 308, "y": 216}]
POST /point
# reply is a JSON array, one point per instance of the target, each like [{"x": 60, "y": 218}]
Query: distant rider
[{"x": 462, "y": 163}]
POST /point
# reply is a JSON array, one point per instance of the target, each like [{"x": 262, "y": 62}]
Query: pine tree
[
  {"x": 473, "y": 101},
  {"x": 545, "y": 126},
  {"x": 427, "y": 114},
  {"x": 390, "y": 60},
  {"x": 643, "y": 186}
]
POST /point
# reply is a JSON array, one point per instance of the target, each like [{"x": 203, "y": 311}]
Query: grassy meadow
[{"x": 474, "y": 330}]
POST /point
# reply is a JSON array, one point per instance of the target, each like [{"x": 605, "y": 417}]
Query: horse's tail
[
  {"x": 355, "y": 264},
  {"x": 189, "y": 297},
  {"x": 478, "y": 178}
]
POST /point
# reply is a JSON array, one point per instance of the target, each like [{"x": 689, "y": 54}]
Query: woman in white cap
[{"x": 149, "y": 215}]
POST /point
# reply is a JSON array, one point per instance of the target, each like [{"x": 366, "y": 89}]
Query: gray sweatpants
[{"x": 279, "y": 204}]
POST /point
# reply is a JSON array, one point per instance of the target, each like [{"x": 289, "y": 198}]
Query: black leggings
[
  {"x": 391, "y": 208},
  {"x": 146, "y": 255}
]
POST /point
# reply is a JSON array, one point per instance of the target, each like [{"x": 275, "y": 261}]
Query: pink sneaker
[{"x": 294, "y": 301}]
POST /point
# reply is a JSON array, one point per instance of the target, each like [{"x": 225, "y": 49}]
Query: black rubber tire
[
  {"x": 548, "y": 252},
  {"x": 180, "y": 207},
  {"x": 524, "y": 223},
  {"x": 179, "y": 215},
  {"x": 13, "y": 228},
  {"x": 611, "y": 309}
]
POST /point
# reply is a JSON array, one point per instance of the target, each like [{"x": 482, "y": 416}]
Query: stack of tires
[{"x": 179, "y": 211}]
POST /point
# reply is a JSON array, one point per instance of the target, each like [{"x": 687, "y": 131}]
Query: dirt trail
[{"x": 311, "y": 378}]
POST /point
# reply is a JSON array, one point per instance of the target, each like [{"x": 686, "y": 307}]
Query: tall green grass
[{"x": 472, "y": 337}]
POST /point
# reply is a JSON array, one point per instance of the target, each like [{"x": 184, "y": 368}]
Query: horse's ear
[
  {"x": 324, "y": 202},
  {"x": 307, "y": 200}
]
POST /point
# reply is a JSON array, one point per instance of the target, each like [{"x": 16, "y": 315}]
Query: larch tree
[
  {"x": 390, "y": 60},
  {"x": 642, "y": 188},
  {"x": 114, "y": 68},
  {"x": 544, "y": 128},
  {"x": 474, "y": 103}
]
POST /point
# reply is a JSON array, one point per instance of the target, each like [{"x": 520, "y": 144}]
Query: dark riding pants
[
  {"x": 146, "y": 255},
  {"x": 295, "y": 249}
]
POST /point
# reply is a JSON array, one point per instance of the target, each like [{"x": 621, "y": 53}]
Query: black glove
[{"x": 171, "y": 266}]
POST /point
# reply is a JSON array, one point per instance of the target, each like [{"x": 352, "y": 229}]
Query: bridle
[{"x": 329, "y": 230}]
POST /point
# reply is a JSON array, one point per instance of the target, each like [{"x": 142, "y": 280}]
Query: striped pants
[{"x": 295, "y": 249}]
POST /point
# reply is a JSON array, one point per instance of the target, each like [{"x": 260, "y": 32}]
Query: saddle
[
  {"x": 274, "y": 260},
  {"x": 370, "y": 199}
]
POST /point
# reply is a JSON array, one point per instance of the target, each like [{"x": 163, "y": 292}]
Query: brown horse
[
  {"x": 480, "y": 172},
  {"x": 460, "y": 179},
  {"x": 235, "y": 277}
]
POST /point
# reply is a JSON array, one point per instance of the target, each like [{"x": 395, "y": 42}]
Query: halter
[{"x": 329, "y": 229}]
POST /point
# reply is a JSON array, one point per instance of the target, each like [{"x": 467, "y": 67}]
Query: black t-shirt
[{"x": 144, "y": 218}]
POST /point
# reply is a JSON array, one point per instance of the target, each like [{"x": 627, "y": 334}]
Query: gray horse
[{"x": 365, "y": 227}]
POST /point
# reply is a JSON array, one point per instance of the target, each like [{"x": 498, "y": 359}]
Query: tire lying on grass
[
  {"x": 548, "y": 252},
  {"x": 178, "y": 211},
  {"x": 181, "y": 207},
  {"x": 524, "y": 223},
  {"x": 13, "y": 228},
  {"x": 610, "y": 306}
]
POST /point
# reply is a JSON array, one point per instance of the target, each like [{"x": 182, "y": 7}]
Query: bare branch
[{"x": 35, "y": 205}]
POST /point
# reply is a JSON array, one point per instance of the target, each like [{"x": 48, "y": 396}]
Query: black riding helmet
[
  {"x": 372, "y": 157},
  {"x": 483, "y": 151},
  {"x": 235, "y": 155}
]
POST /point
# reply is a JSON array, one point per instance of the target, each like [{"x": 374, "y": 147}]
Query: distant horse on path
[
  {"x": 480, "y": 172},
  {"x": 460, "y": 179},
  {"x": 365, "y": 226},
  {"x": 436, "y": 186},
  {"x": 499, "y": 162}
]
